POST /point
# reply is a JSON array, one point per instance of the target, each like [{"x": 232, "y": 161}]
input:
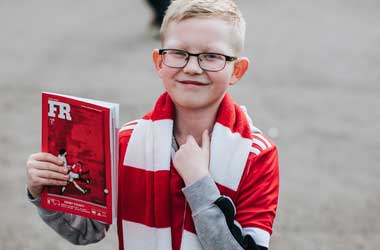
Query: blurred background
[{"x": 313, "y": 86}]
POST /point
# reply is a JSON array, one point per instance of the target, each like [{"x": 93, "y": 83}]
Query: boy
[{"x": 179, "y": 189}]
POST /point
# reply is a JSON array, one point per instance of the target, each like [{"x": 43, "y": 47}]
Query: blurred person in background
[{"x": 158, "y": 7}]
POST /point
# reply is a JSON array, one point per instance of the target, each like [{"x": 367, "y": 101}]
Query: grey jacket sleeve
[
  {"x": 210, "y": 222},
  {"x": 76, "y": 229}
]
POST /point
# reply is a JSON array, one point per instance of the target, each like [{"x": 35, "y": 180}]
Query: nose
[{"x": 192, "y": 66}]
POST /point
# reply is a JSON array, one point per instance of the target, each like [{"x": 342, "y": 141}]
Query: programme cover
[{"x": 83, "y": 133}]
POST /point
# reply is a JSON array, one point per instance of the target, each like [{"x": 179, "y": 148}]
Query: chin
[{"x": 190, "y": 103}]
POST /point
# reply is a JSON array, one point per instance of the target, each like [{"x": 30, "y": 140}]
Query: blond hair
[{"x": 224, "y": 9}]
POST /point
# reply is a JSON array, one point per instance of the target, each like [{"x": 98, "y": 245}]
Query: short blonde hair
[{"x": 225, "y": 9}]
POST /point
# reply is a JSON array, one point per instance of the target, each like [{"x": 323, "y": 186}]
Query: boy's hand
[
  {"x": 44, "y": 169},
  {"x": 192, "y": 161}
]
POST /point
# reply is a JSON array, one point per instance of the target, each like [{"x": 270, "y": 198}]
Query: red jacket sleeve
[{"x": 257, "y": 197}]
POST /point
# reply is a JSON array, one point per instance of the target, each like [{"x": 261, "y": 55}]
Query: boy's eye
[
  {"x": 211, "y": 57},
  {"x": 177, "y": 54}
]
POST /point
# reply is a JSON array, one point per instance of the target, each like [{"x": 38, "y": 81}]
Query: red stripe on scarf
[{"x": 230, "y": 115}]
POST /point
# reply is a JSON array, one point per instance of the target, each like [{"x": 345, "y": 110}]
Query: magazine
[{"x": 83, "y": 134}]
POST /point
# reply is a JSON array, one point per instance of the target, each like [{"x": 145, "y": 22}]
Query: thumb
[
  {"x": 205, "y": 141},
  {"x": 190, "y": 139}
]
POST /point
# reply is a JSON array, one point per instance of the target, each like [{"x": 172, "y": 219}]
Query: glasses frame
[{"x": 227, "y": 58}]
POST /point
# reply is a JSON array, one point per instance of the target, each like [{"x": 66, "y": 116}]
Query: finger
[
  {"x": 41, "y": 165},
  {"x": 51, "y": 175},
  {"x": 50, "y": 182},
  {"x": 205, "y": 141},
  {"x": 190, "y": 139},
  {"x": 42, "y": 156}
]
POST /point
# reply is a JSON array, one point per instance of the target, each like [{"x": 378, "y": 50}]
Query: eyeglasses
[{"x": 213, "y": 62}]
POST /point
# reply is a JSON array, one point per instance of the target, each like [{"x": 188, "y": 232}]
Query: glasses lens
[
  {"x": 212, "y": 62},
  {"x": 174, "y": 58}
]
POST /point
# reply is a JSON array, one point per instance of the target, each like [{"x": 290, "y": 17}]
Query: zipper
[{"x": 184, "y": 217}]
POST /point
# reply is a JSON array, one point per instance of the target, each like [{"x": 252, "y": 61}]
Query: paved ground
[{"x": 313, "y": 84}]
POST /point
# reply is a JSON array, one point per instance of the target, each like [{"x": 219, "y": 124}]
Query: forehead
[{"x": 200, "y": 34}]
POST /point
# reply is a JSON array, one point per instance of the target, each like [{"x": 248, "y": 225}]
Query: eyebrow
[
  {"x": 203, "y": 50},
  {"x": 206, "y": 49}
]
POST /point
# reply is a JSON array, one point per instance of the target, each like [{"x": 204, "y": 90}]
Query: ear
[
  {"x": 157, "y": 61},
  {"x": 240, "y": 67}
]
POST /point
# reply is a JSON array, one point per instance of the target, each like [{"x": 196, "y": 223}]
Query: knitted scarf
[{"x": 149, "y": 154}]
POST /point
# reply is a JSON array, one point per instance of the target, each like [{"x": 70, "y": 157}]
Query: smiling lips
[{"x": 188, "y": 82}]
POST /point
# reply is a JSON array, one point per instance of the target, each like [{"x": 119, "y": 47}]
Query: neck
[{"x": 193, "y": 122}]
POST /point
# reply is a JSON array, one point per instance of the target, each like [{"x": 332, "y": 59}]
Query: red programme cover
[{"x": 83, "y": 134}]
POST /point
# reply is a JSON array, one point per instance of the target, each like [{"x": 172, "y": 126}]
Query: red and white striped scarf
[{"x": 149, "y": 151}]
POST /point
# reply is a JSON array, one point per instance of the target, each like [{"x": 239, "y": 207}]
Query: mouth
[{"x": 189, "y": 82}]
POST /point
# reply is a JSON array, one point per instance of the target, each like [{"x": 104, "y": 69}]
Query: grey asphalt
[{"x": 313, "y": 86}]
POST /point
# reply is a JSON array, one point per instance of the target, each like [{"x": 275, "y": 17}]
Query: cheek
[
  {"x": 167, "y": 73},
  {"x": 228, "y": 75},
  {"x": 221, "y": 78}
]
